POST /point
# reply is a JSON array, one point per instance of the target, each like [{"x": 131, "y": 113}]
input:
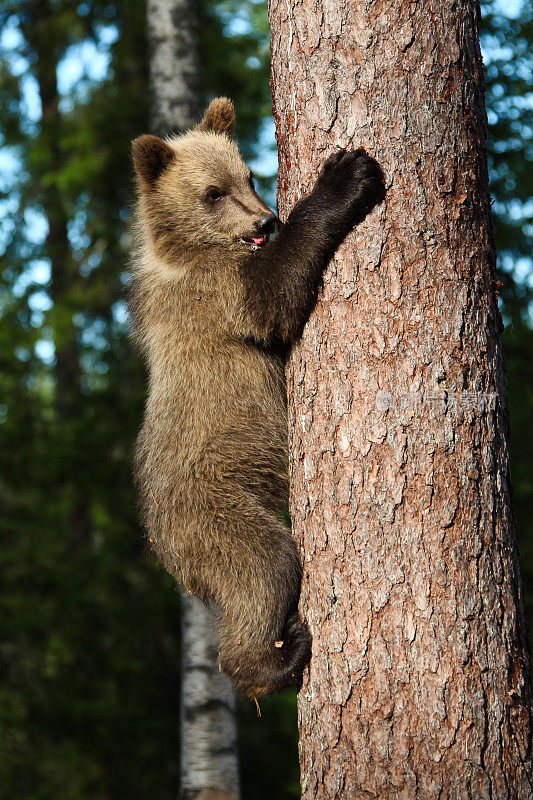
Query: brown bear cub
[{"x": 215, "y": 304}]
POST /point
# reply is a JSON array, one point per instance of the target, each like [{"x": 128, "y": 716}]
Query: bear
[{"x": 216, "y": 303}]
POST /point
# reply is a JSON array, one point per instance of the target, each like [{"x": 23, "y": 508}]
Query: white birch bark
[
  {"x": 175, "y": 70},
  {"x": 209, "y": 763},
  {"x": 209, "y": 767}
]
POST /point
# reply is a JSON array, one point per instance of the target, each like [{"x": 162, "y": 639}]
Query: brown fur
[
  {"x": 219, "y": 117},
  {"x": 208, "y": 312}
]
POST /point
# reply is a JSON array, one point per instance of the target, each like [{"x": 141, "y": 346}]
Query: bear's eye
[{"x": 213, "y": 194}]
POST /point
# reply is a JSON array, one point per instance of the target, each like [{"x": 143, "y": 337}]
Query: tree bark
[
  {"x": 419, "y": 681},
  {"x": 175, "y": 70},
  {"x": 209, "y": 764}
]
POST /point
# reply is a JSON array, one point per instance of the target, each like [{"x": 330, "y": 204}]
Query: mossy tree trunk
[
  {"x": 209, "y": 765},
  {"x": 419, "y": 681}
]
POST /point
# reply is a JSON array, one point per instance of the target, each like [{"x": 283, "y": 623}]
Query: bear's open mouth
[{"x": 255, "y": 242}]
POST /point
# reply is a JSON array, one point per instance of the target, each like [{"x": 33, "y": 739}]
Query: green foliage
[
  {"x": 268, "y": 749},
  {"x": 89, "y": 623},
  {"x": 506, "y": 41},
  {"x": 518, "y": 345},
  {"x": 509, "y": 66}
]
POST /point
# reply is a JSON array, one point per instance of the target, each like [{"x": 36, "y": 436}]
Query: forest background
[{"x": 89, "y": 623}]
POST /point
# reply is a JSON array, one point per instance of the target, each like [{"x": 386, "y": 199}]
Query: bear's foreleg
[{"x": 281, "y": 279}]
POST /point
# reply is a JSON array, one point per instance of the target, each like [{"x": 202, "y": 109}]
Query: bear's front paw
[
  {"x": 337, "y": 162},
  {"x": 350, "y": 183},
  {"x": 368, "y": 179}
]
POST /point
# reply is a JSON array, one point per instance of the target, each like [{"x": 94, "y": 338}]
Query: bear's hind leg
[
  {"x": 262, "y": 668},
  {"x": 256, "y": 577}
]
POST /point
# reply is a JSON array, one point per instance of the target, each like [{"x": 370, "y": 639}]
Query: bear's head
[{"x": 196, "y": 192}]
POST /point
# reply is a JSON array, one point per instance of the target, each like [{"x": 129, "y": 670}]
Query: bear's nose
[{"x": 266, "y": 224}]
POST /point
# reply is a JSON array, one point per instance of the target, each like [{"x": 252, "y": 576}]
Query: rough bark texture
[
  {"x": 418, "y": 685},
  {"x": 209, "y": 764},
  {"x": 175, "y": 74}
]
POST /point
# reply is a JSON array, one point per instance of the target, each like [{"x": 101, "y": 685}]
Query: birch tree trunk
[
  {"x": 209, "y": 766},
  {"x": 418, "y": 684},
  {"x": 175, "y": 70},
  {"x": 209, "y": 761}
]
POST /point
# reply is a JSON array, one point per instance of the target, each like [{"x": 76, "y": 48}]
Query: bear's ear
[
  {"x": 219, "y": 117},
  {"x": 150, "y": 156}
]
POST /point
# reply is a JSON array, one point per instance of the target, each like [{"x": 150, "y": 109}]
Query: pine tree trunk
[
  {"x": 209, "y": 765},
  {"x": 419, "y": 680}
]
